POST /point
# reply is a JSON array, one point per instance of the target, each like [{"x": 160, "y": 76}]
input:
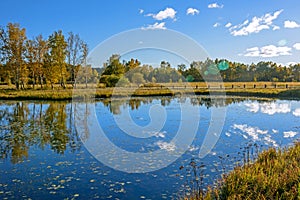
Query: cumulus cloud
[
  {"x": 276, "y": 28},
  {"x": 228, "y": 25},
  {"x": 289, "y": 134},
  {"x": 215, "y": 5},
  {"x": 255, "y": 133},
  {"x": 155, "y": 26},
  {"x": 192, "y": 11},
  {"x": 297, "y": 112},
  {"x": 297, "y": 46},
  {"x": 164, "y": 14},
  {"x": 216, "y": 25},
  {"x": 268, "y": 51},
  {"x": 269, "y": 108},
  {"x": 256, "y": 25},
  {"x": 273, "y": 108},
  {"x": 252, "y": 107},
  {"x": 291, "y": 24}
]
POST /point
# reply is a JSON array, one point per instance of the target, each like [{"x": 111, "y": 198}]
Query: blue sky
[{"x": 238, "y": 30}]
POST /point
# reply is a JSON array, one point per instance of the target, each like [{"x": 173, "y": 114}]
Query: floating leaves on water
[{"x": 122, "y": 190}]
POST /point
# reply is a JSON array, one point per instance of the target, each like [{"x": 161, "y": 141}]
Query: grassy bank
[
  {"x": 275, "y": 174},
  {"x": 257, "y": 89}
]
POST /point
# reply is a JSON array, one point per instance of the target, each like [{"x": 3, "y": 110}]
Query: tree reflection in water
[
  {"x": 25, "y": 124},
  {"x": 51, "y": 124}
]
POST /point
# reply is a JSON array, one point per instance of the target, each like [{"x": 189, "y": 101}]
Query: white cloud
[
  {"x": 273, "y": 108},
  {"x": 216, "y": 25},
  {"x": 290, "y": 134},
  {"x": 155, "y": 26},
  {"x": 255, "y": 134},
  {"x": 141, "y": 11},
  {"x": 297, "y": 112},
  {"x": 268, "y": 51},
  {"x": 256, "y": 25},
  {"x": 269, "y": 108},
  {"x": 297, "y": 46},
  {"x": 252, "y": 107},
  {"x": 192, "y": 11},
  {"x": 275, "y": 131},
  {"x": 164, "y": 14},
  {"x": 228, "y": 25},
  {"x": 276, "y": 28},
  {"x": 291, "y": 24},
  {"x": 215, "y": 5}
]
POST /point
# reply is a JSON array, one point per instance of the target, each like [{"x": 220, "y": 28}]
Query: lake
[{"x": 135, "y": 148}]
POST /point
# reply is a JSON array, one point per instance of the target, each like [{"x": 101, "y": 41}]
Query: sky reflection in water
[{"x": 42, "y": 155}]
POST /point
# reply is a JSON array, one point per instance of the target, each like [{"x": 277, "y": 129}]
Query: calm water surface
[{"x": 43, "y": 156}]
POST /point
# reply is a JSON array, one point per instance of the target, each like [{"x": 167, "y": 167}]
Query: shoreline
[{"x": 69, "y": 94}]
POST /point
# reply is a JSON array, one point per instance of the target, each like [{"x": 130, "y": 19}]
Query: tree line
[
  {"x": 126, "y": 72},
  {"x": 62, "y": 59},
  {"x": 40, "y": 61}
]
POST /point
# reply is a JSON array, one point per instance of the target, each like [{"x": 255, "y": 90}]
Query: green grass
[
  {"x": 262, "y": 89},
  {"x": 275, "y": 174}
]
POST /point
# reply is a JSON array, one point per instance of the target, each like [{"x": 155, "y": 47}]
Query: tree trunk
[{"x": 86, "y": 82}]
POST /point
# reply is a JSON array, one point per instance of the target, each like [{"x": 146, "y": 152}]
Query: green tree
[
  {"x": 55, "y": 65},
  {"x": 13, "y": 51}
]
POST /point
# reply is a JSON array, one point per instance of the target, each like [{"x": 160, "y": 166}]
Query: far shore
[{"x": 290, "y": 90}]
